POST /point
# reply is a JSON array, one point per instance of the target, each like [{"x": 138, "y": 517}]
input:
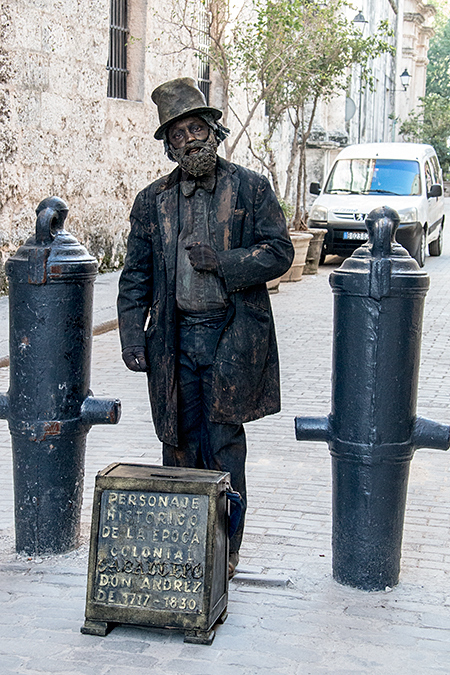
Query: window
[
  {"x": 203, "y": 69},
  {"x": 117, "y": 58},
  {"x": 204, "y": 82},
  {"x": 374, "y": 176},
  {"x": 429, "y": 178},
  {"x": 437, "y": 169}
]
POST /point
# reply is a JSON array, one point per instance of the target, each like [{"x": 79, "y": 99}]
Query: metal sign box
[{"x": 159, "y": 550}]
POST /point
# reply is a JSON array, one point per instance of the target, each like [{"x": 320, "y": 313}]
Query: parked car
[{"x": 404, "y": 176}]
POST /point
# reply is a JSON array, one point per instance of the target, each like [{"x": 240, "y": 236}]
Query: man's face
[
  {"x": 186, "y": 130},
  {"x": 193, "y": 145}
]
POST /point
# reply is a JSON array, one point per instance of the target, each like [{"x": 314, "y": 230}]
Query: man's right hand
[{"x": 134, "y": 358}]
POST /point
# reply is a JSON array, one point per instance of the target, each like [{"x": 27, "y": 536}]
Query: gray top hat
[{"x": 179, "y": 98}]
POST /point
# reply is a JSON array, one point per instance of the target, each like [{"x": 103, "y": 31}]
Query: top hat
[{"x": 177, "y": 99}]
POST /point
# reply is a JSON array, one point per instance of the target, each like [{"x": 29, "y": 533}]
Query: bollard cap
[
  {"x": 52, "y": 254},
  {"x": 381, "y": 267}
]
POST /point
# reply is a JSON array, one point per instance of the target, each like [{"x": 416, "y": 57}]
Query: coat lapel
[
  {"x": 167, "y": 207},
  {"x": 223, "y": 206}
]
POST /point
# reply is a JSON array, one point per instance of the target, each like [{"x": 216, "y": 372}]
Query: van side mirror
[
  {"x": 315, "y": 188},
  {"x": 435, "y": 191}
]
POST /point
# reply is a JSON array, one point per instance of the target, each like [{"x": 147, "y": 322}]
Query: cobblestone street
[{"x": 286, "y": 614}]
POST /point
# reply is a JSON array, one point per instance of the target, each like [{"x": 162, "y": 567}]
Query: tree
[
  {"x": 322, "y": 45},
  {"x": 431, "y": 124},
  {"x": 285, "y": 55},
  {"x": 438, "y": 70},
  {"x": 223, "y": 38}
]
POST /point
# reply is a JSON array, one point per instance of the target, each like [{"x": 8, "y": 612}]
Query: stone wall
[{"x": 60, "y": 134}]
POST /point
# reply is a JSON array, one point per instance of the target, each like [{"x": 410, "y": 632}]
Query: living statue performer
[{"x": 194, "y": 311}]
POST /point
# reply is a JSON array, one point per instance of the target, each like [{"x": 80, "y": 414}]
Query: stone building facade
[
  {"x": 417, "y": 30},
  {"x": 64, "y": 132},
  {"x": 60, "y": 134}
]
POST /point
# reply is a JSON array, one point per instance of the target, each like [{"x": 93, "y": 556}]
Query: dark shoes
[{"x": 233, "y": 561}]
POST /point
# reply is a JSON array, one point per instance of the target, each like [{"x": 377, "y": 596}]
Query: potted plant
[{"x": 314, "y": 250}]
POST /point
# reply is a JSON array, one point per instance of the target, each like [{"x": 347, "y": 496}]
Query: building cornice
[
  {"x": 428, "y": 31},
  {"x": 414, "y": 17},
  {"x": 423, "y": 13},
  {"x": 426, "y": 9}
]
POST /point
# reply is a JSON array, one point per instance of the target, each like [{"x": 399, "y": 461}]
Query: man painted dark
[{"x": 194, "y": 311}]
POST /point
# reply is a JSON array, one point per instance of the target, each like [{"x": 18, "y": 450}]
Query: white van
[{"x": 404, "y": 176}]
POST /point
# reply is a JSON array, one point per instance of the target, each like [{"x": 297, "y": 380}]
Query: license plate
[{"x": 355, "y": 235}]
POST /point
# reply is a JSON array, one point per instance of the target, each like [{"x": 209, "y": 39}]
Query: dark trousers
[{"x": 204, "y": 444}]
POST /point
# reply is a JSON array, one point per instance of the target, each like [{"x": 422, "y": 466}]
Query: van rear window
[{"x": 375, "y": 176}]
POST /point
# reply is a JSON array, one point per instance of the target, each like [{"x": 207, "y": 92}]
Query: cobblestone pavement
[{"x": 309, "y": 625}]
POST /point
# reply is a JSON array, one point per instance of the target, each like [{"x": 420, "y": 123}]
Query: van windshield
[{"x": 374, "y": 176}]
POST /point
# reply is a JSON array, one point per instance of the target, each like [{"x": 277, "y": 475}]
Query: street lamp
[
  {"x": 360, "y": 23},
  {"x": 405, "y": 78}
]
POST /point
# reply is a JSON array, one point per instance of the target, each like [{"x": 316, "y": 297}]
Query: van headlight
[
  {"x": 408, "y": 215},
  {"x": 319, "y": 213}
]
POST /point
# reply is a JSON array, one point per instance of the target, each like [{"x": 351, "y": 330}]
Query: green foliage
[
  {"x": 296, "y": 50},
  {"x": 285, "y": 54},
  {"x": 431, "y": 124},
  {"x": 287, "y": 208},
  {"x": 292, "y": 54},
  {"x": 438, "y": 71}
]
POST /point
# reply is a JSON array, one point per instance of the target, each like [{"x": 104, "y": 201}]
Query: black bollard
[
  {"x": 373, "y": 430},
  {"x": 49, "y": 406}
]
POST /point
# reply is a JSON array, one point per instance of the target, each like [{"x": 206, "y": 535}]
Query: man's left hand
[{"x": 202, "y": 257}]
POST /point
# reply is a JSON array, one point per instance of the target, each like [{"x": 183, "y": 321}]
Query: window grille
[
  {"x": 203, "y": 67},
  {"x": 204, "y": 82},
  {"x": 117, "y": 58}
]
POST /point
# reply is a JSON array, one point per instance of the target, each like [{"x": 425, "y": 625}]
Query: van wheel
[
  {"x": 435, "y": 247},
  {"x": 420, "y": 255}
]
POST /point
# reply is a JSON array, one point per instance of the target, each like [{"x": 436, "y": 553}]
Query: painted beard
[{"x": 198, "y": 163}]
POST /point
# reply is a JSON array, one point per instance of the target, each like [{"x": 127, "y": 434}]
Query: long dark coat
[{"x": 248, "y": 229}]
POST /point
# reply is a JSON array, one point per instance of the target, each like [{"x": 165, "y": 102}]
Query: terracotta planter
[
  {"x": 300, "y": 241},
  {"x": 273, "y": 286},
  {"x": 314, "y": 250}
]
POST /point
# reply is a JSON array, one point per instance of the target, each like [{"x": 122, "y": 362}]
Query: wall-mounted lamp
[
  {"x": 360, "y": 21},
  {"x": 405, "y": 78}
]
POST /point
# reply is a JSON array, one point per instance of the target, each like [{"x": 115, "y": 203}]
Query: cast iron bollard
[
  {"x": 373, "y": 430},
  {"x": 49, "y": 406}
]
